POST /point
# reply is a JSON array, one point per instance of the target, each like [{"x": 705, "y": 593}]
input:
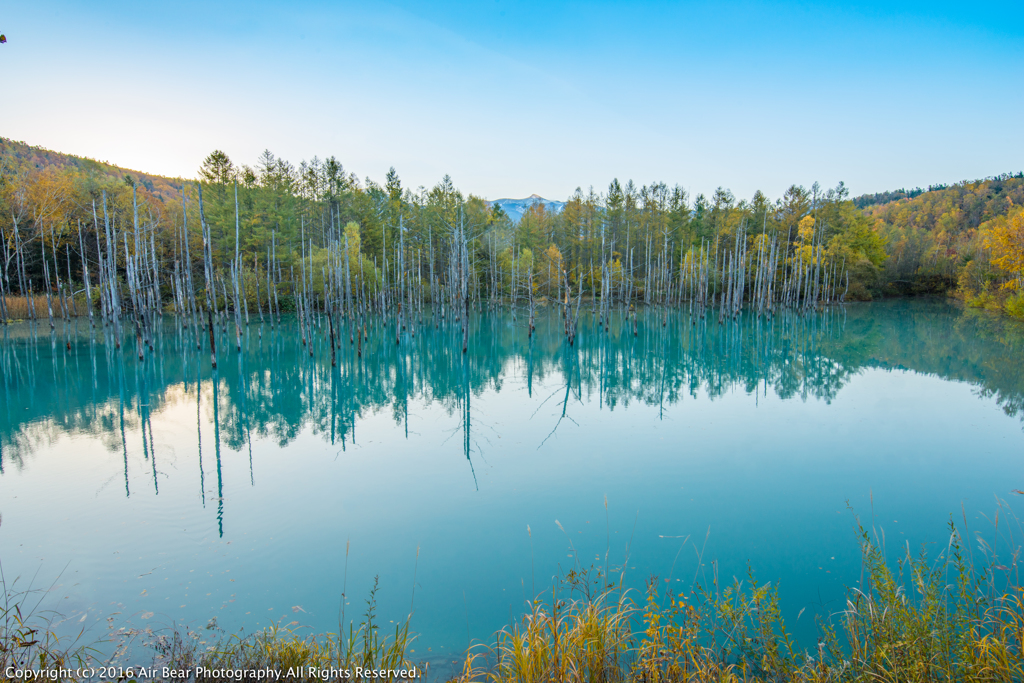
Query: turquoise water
[{"x": 274, "y": 490}]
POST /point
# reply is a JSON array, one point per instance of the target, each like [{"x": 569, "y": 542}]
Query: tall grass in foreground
[
  {"x": 27, "y": 642},
  {"x": 958, "y": 617},
  {"x": 951, "y": 619},
  {"x": 280, "y": 648},
  {"x": 27, "y": 638}
]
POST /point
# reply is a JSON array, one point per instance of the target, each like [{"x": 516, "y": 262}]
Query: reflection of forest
[{"x": 75, "y": 381}]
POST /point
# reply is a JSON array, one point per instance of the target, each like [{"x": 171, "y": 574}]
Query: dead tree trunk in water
[{"x": 208, "y": 270}]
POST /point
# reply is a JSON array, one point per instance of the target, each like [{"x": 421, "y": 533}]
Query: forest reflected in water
[
  {"x": 743, "y": 433},
  {"x": 75, "y": 380}
]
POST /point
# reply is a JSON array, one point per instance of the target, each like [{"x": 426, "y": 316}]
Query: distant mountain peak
[{"x": 515, "y": 208}]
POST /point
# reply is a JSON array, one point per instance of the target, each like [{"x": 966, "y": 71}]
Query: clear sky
[{"x": 512, "y": 98}]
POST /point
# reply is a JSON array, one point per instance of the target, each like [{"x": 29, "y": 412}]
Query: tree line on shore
[{"x": 242, "y": 242}]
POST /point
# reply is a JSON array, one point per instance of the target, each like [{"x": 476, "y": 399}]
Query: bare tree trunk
[{"x": 208, "y": 270}]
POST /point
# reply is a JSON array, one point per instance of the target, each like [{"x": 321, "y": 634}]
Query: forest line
[{"x": 245, "y": 242}]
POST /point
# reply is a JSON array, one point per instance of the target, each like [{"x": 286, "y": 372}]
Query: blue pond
[{"x": 273, "y": 490}]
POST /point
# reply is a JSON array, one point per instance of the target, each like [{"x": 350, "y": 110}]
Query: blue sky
[{"x": 512, "y": 98}]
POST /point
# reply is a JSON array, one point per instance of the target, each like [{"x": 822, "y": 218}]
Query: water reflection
[
  {"x": 76, "y": 380},
  {"x": 617, "y": 414}
]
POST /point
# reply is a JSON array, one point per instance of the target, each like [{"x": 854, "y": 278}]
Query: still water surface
[{"x": 163, "y": 493}]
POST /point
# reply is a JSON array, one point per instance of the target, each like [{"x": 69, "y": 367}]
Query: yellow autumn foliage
[{"x": 1006, "y": 239}]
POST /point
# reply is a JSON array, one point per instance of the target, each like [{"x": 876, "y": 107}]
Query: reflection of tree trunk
[
  {"x": 664, "y": 374},
  {"x": 568, "y": 392},
  {"x": 148, "y": 448},
  {"x": 330, "y": 325},
  {"x": 216, "y": 445},
  {"x": 199, "y": 430},
  {"x": 405, "y": 393},
  {"x": 565, "y": 401},
  {"x": 124, "y": 441},
  {"x": 152, "y": 447},
  {"x": 466, "y": 418},
  {"x": 334, "y": 403},
  {"x": 529, "y": 368}
]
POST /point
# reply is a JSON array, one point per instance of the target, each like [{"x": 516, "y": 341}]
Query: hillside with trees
[
  {"x": 965, "y": 239},
  {"x": 18, "y": 155}
]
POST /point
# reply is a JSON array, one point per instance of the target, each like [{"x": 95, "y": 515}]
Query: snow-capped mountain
[{"x": 515, "y": 208}]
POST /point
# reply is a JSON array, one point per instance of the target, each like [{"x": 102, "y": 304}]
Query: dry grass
[
  {"x": 357, "y": 647},
  {"x": 26, "y": 641},
  {"x": 26, "y": 637},
  {"x": 958, "y": 617},
  {"x": 914, "y": 622},
  {"x": 19, "y": 307}
]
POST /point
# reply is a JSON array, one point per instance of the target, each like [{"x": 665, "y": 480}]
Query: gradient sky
[{"x": 512, "y": 98}]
